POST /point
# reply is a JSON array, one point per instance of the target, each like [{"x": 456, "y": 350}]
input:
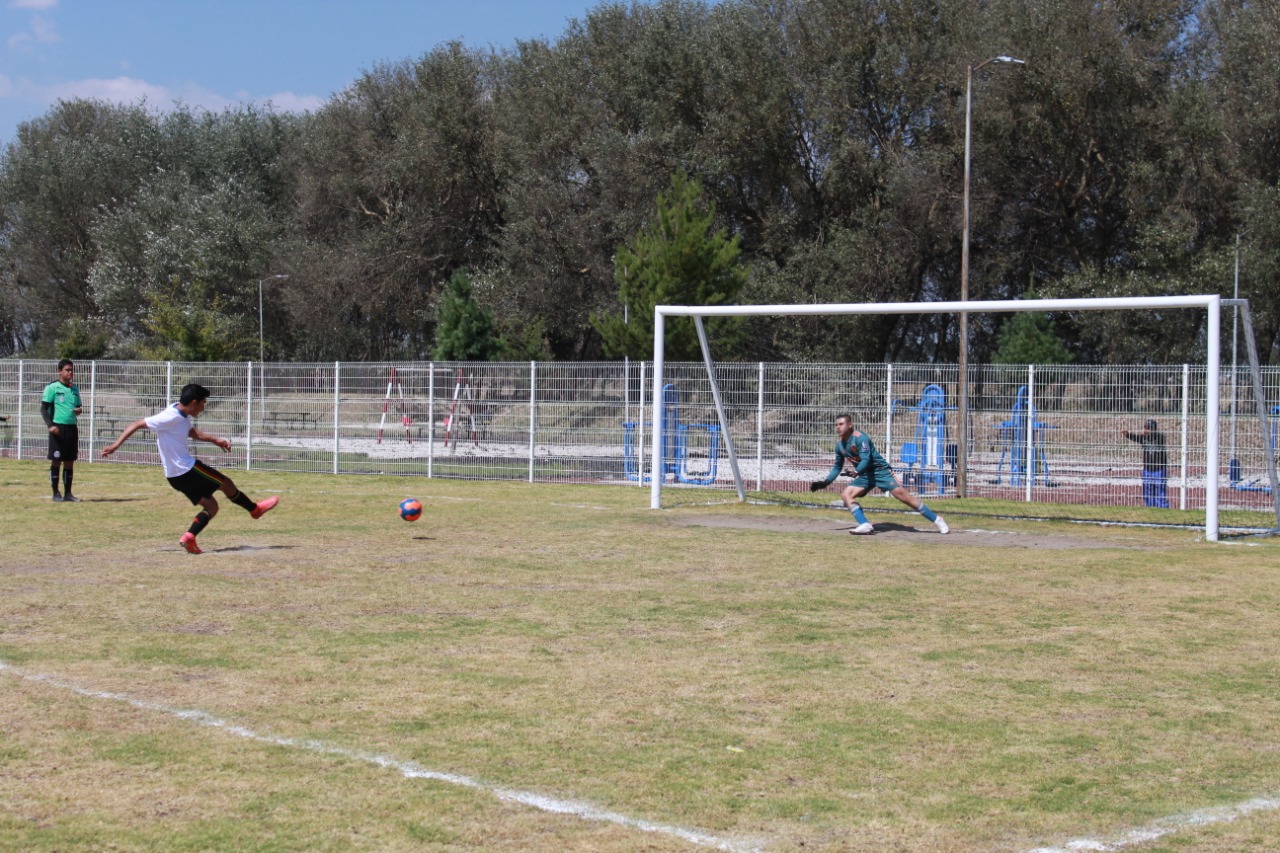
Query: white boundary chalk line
[
  {"x": 1165, "y": 826},
  {"x": 409, "y": 769}
]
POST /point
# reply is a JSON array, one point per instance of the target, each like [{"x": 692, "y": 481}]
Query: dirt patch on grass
[{"x": 892, "y": 531}]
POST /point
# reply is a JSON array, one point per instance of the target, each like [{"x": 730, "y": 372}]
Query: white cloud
[
  {"x": 41, "y": 31},
  {"x": 32, "y": 4}
]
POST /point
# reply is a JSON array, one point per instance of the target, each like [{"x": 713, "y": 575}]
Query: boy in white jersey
[{"x": 195, "y": 479}]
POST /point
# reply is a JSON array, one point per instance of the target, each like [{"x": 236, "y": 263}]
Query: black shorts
[
  {"x": 65, "y": 446},
  {"x": 200, "y": 482}
]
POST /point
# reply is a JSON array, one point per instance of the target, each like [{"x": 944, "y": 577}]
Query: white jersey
[{"x": 172, "y": 428}]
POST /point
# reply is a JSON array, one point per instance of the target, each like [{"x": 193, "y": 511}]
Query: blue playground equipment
[
  {"x": 930, "y": 457},
  {"x": 676, "y": 441},
  {"x": 1013, "y": 444},
  {"x": 1235, "y": 475}
]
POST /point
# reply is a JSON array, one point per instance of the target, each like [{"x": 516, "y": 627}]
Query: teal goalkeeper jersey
[
  {"x": 65, "y": 401},
  {"x": 860, "y": 451}
]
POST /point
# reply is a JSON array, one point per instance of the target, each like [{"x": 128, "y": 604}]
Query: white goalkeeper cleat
[
  {"x": 943, "y": 527},
  {"x": 863, "y": 529}
]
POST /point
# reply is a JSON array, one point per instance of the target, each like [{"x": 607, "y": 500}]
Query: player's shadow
[
  {"x": 893, "y": 527},
  {"x": 249, "y": 548},
  {"x": 424, "y": 538},
  {"x": 890, "y": 527},
  {"x": 110, "y": 500}
]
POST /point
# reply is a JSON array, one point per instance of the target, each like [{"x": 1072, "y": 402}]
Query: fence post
[
  {"x": 337, "y": 381},
  {"x": 1031, "y": 429},
  {"x": 93, "y": 384},
  {"x": 21, "y": 374},
  {"x": 248, "y": 420},
  {"x": 431, "y": 418},
  {"x": 1186, "y": 415},
  {"x": 533, "y": 414},
  {"x": 640, "y": 431},
  {"x": 888, "y": 411},
  {"x": 760, "y": 429}
]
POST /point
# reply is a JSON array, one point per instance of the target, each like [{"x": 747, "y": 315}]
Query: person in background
[
  {"x": 59, "y": 406},
  {"x": 1155, "y": 465}
]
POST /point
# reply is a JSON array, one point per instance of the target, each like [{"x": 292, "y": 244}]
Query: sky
[{"x": 214, "y": 54}]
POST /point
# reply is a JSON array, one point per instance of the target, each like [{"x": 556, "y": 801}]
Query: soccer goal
[{"x": 1072, "y": 442}]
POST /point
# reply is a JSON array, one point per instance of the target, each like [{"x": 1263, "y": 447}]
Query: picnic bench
[{"x": 277, "y": 420}]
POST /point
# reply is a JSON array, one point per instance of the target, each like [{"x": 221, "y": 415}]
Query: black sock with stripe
[
  {"x": 201, "y": 520},
  {"x": 242, "y": 500}
]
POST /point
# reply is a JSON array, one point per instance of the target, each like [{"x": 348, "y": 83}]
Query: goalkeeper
[{"x": 870, "y": 471}]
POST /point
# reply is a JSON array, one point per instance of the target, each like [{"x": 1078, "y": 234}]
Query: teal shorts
[{"x": 876, "y": 479}]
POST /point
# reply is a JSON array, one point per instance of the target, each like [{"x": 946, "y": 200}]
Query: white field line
[
  {"x": 409, "y": 769},
  {"x": 1165, "y": 826}
]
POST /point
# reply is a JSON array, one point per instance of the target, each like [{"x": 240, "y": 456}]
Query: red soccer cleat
[
  {"x": 188, "y": 541},
  {"x": 264, "y": 507}
]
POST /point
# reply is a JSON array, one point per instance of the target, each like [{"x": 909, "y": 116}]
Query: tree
[
  {"x": 464, "y": 329},
  {"x": 677, "y": 260},
  {"x": 1028, "y": 338}
]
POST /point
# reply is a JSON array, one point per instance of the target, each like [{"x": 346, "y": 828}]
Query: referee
[{"x": 59, "y": 406}]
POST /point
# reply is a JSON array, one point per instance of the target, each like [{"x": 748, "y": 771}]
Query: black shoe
[
  {"x": 71, "y": 499},
  {"x": 57, "y": 498}
]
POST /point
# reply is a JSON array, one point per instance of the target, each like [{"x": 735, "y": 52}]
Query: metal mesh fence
[{"x": 1050, "y": 437}]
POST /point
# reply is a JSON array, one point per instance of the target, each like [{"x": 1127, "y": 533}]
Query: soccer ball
[{"x": 410, "y": 509}]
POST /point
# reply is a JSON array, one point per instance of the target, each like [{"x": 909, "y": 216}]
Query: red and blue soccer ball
[{"x": 410, "y": 509}]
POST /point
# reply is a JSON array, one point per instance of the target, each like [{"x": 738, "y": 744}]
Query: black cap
[{"x": 1152, "y": 425}]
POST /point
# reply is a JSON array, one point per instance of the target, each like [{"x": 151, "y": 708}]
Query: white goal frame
[{"x": 1212, "y": 304}]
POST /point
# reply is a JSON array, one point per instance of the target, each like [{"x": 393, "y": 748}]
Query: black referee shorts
[{"x": 65, "y": 446}]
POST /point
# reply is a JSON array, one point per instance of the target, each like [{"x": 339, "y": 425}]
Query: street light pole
[
  {"x": 1233, "y": 464},
  {"x": 262, "y": 379},
  {"x": 261, "y": 347},
  {"x": 962, "y": 451}
]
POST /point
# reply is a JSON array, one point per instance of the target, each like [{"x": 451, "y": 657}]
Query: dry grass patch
[{"x": 734, "y": 670}]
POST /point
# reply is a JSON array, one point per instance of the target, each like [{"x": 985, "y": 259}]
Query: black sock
[
  {"x": 53, "y": 477},
  {"x": 201, "y": 520},
  {"x": 242, "y": 500},
  {"x": 66, "y": 481}
]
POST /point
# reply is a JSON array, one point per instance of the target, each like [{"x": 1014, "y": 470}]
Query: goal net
[{"x": 1119, "y": 444}]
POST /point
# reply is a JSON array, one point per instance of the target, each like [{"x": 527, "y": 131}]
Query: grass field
[{"x": 561, "y": 668}]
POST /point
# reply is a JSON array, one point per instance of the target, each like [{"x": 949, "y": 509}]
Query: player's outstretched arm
[
  {"x": 199, "y": 435},
  {"x": 818, "y": 485},
  {"x": 124, "y": 436}
]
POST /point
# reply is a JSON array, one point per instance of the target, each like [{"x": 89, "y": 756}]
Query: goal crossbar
[{"x": 1210, "y": 303}]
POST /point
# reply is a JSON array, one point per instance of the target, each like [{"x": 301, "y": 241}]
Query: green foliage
[
  {"x": 679, "y": 259},
  {"x": 1028, "y": 338},
  {"x": 464, "y": 330},
  {"x": 1138, "y": 140},
  {"x": 83, "y": 340},
  {"x": 183, "y": 329}
]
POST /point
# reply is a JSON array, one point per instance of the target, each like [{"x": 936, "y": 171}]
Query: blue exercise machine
[
  {"x": 677, "y": 439},
  {"x": 930, "y": 457},
  {"x": 1013, "y": 443},
  {"x": 1234, "y": 474}
]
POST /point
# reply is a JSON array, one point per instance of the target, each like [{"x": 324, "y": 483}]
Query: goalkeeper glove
[{"x": 817, "y": 485}]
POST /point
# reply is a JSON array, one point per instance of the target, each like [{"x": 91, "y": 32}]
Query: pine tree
[
  {"x": 679, "y": 259},
  {"x": 464, "y": 330},
  {"x": 1028, "y": 338}
]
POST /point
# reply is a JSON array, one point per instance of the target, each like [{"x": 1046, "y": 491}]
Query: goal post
[{"x": 1211, "y": 304}]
